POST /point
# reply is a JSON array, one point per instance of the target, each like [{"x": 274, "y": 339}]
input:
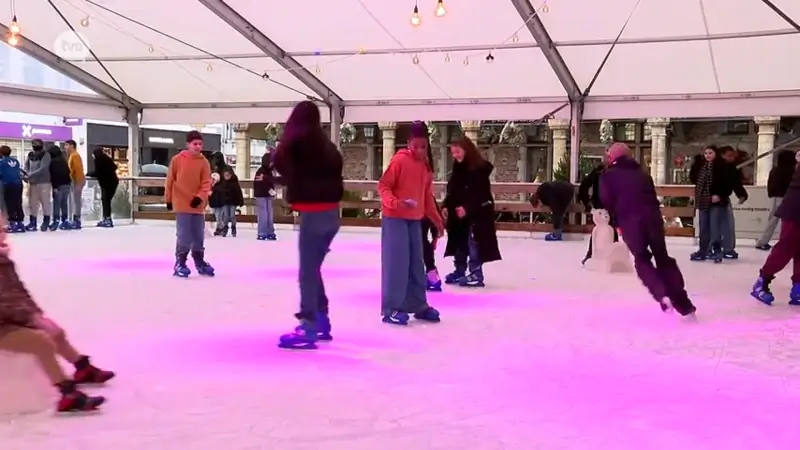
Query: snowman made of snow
[{"x": 607, "y": 255}]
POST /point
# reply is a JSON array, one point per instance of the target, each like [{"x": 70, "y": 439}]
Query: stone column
[
  {"x": 389, "y": 133},
  {"x": 767, "y": 129},
  {"x": 658, "y": 149},
  {"x": 444, "y": 153},
  {"x": 242, "y": 142},
  {"x": 471, "y": 129},
  {"x": 560, "y": 129}
]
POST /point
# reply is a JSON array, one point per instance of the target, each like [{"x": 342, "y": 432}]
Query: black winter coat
[
  {"x": 311, "y": 169},
  {"x": 59, "y": 169},
  {"x": 105, "y": 170},
  {"x": 781, "y": 175},
  {"x": 726, "y": 180},
  {"x": 265, "y": 179},
  {"x": 226, "y": 193},
  {"x": 471, "y": 189},
  {"x": 591, "y": 200}
]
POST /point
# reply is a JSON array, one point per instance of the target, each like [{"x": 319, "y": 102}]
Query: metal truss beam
[
  {"x": 535, "y": 26},
  {"x": 49, "y": 94},
  {"x": 64, "y": 67},
  {"x": 270, "y": 48}
]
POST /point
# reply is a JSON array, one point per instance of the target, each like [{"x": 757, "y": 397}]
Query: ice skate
[
  {"x": 762, "y": 293},
  {"x": 304, "y": 337},
  {"x": 794, "y": 295}
]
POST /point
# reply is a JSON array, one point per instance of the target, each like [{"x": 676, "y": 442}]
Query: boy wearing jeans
[
  {"x": 187, "y": 189},
  {"x": 264, "y": 193}
]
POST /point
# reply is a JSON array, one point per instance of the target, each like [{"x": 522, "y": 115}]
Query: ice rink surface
[{"x": 548, "y": 356}]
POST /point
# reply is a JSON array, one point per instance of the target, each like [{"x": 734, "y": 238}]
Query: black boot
[
  {"x": 233, "y": 230},
  {"x": 224, "y": 232},
  {"x": 203, "y": 268}
]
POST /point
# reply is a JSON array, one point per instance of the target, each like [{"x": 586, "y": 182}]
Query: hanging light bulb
[
  {"x": 515, "y": 38},
  {"x": 466, "y": 60},
  {"x": 150, "y": 49},
  {"x": 440, "y": 9},
  {"x": 85, "y": 22},
  {"x": 13, "y": 40},
  {"x": 545, "y": 8},
  {"x": 416, "y": 20},
  {"x": 447, "y": 58},
  {"x": 361, "y": 50},
  {"x": 14, "y": 27},
  {"x": 489, "y": 58},
  {"x": 317, "y": 69},
  {"x": 415, "y": 59},
  {"x": 209, "y": 68}
]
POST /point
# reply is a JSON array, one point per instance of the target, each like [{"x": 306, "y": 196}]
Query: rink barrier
[{"x": 361, "y": 206}]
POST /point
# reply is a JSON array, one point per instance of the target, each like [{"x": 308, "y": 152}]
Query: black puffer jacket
[
  {"x": 781, "y": 175},
  {"x": 59, "y": 169}
]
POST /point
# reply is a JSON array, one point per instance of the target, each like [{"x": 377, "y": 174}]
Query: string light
[
  {"x": 13, "y": 40},
  {"x": 545, "y": 8},
  {"x": 209, "y": 68},
  {"x": 415, "y": 59},
  {"x": 361, "y": 50},
  {"x": 85, "y": 22},
  {"x": 515, "y": 38},
  {"x": 466, "y": 60},
  {"x": 416, "y": 20},
  {"x": 317, "y": 69},
  {"x": 151, "y": 49},
  {"x": 447, "y": 58},
  {"x": 489, "y": 57},
  {"x": 14, "y": 27},
  {"x": 440, "y": 9}
]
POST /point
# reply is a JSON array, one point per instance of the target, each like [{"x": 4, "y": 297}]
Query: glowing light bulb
[
  {"x": 447, "y": 58},
  {"x": 14, "y": 27},
  {"x": 85, "y": 22},
  {"x": 466, "y": 61},
  {"x": 13, "y": 40},
  {"x": 545, "y": 8},
  {"x": 209, "y": 68},
  {"x": 361, "y": 50},
  {"x": 150, "y": 49},
  {"x": 317, "y": 69},
  {"x": 416, "y": 20},
  {"x": 415, "y": 59},
  {"x": 440, "y": 9},
  {"x": 515, "y": 38}
]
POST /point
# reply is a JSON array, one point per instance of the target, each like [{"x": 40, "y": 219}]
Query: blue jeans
[
  {"x": 713, "y": 226},
  {"x": 227, "y": 215},
  {"x": 190, "y": 233},
  {"x": 403, "y": 278},
  {"x": 729, "y": 232},
  {"x": 264, "y": 213},
  {"x": 61, "y": 196},
  {"x": 469, "y": 258},
  {"x": 317, "y": 230}
]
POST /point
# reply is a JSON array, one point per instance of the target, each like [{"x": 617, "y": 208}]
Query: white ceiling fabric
[{"x": 217, "y": 77}]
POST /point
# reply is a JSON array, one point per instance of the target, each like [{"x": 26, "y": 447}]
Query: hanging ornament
[
  {"x": 515, "y": 38},
  {"x": 416, "y": 20},
  {"x": 14, "y": 27},
  {"x": 447, "y": 57},
  {"x": 415, "y": 59},
  {"x": 466, "y": 61},
  {"x": 85, "y": 22},
  {"x": 440, "y": 9}
]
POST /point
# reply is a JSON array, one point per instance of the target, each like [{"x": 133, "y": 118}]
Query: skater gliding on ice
[{"x": 629, "y": 194}]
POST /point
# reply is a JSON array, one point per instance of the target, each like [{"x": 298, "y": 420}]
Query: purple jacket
[{"x": 628, "y": 192}]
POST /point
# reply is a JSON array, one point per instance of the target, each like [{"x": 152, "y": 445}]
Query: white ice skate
[{"x": 607, "y": 255}]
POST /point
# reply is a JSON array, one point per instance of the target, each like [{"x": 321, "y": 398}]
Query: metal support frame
[
  {"x": 134, "y": 117},
  {"x": 271, "y": 49},
  {"x": 575, "y": 119},
  {"x": 337, "y": 118},
  {"x": 64, "y": 67},
  {"x": 535, "y": 26}
]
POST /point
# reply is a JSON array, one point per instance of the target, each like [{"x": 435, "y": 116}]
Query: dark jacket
[
  {"x": 471, "y": 189},
  {"x": 790, "y": 206},
  {"x": 694, "y": 170},
  {"x": 105, "y": 169},
  {"x": 311, "y": 172},
  {"x": 726, "y": 179},
  {"x": 265, "y": 179},
  {"x": 226, "y": 192},
  {"x": 628, "y": 193},
  {"x": 10, "y": 170},
  {"x": 59, "y": 169},
  {"x": 555, "y": 194},
  {"x": 781, "y": 175},
  {"x": 589, "y": 189}
]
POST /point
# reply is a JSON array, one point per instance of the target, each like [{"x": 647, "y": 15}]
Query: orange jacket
[{"x": 189, "y": 176}]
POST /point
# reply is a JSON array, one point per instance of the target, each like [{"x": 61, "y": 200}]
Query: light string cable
[
  {"x": 91, "y": 52},
  {"x": 263, "y": 75},
  {"x": 113, "y": 26},
  {"x": 515, "y": 36},
  {"x": 610, "y": 49}
]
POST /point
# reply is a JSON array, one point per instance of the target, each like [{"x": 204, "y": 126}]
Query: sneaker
[
  {"x": 303, "y": 337},
  {"x": 396, "y": 318},
  {"x": 428, "y": 314},
  {"x": 761, "y": 291},
  {"x": 77, "y": 401},
  {"x": 453, "y": 277},
  {"x": 765, "y": 247}
]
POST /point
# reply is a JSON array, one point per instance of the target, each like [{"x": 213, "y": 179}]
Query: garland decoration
[
  {"x": 273, "y": 132},
  {"x": 347, "y": 133},
  {"x": 606, "y": 131},
  {"x": 513, "y": 133}
]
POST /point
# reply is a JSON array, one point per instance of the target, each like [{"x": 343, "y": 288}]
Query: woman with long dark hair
[
  {"x": 469, "y": 212},
  {"x": 105, "y": 171},
  {"x": 311, "y": 167}
]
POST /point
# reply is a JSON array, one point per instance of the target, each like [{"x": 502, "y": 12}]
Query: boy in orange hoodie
[
  {"x": 406, "y": 190},
  {"x": 187, "y": 190}
]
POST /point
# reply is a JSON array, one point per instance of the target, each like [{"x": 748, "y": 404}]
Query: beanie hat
[{"x": 617, "y": 151}]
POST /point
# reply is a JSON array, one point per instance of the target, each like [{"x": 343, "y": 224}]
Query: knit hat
[
  {"x": 617, "y": 151},
  {"x": 419, "y": 130}
]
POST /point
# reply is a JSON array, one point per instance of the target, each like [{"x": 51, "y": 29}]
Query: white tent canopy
[{"x": 203, "y": 61}]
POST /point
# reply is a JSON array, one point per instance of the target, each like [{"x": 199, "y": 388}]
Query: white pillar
[
  {"x": 471, "y": 129},
  {"x": 389, "y": 133},
  {"x": 522, "y": 169},
  {"x": 658, "y": 149},
  {"x": 560, "y": 129},
  {"x": 767, "y": 129},
  {"x": 242, "y": 142}
]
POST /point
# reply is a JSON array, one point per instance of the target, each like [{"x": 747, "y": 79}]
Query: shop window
[{"x": 625, "y": 132}]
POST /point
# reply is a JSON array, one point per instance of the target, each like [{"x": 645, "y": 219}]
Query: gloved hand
[
  {"x": 196, "y": 201},
  {"x": 169, "y": 206},
  {"x": 410, "y": 203}
]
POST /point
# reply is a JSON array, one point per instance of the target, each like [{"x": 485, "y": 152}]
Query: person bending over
[
  {"x": 556, "y": 195},
  {"x": 630, "y": 195}
]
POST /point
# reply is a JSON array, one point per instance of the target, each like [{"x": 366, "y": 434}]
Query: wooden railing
[{"x": 361, "y": 206}]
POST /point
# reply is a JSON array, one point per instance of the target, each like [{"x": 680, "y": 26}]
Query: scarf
[{"x": 702, "y": 189}]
